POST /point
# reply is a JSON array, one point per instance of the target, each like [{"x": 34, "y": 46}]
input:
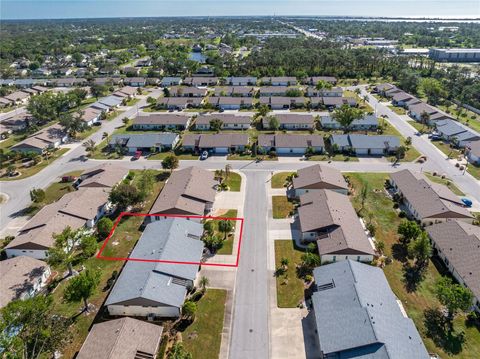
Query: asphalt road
[
  {"x": 250, "y": 331},
  {"x": 437, "y": 161}
]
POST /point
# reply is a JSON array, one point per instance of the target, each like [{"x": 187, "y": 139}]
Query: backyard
[{"x": 416, "y": 302}]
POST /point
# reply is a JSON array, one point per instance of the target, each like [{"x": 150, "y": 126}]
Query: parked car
[
  {"x": 137, "y": 155},
  {"x": 204, "y": 155}
]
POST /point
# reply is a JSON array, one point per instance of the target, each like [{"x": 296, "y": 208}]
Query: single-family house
[
  {"x": 329, "y": 218},
  {"x": 284, "y": 144},
  {"x": 17, "y": 122},
  {"x": 319, "y": 177},
  {"x": 458, "y": 245},
  {"x": 170, "y": 81},
  {"x": 123, "y": 338},
  {"x": 365, "y": 144},
  {"x": 236, "y": 91},
  {"x": 18, "y": 97},
  {"x": 416, "y": 110},
  {"x": 200, "y": 81},
  {"x": 291, "y": 121},
  {"x": 382, "y": 88},
  {"x": 5, "y": 102},
  {"x": 135, "y": 81},
  {"x": 221, "y": 143},
  {"x": 425, "y": 201},
  {"x": 103, "y": 176},
  {"x": 230, "y": 103},
  {"x": 69, "y": 82},
  {"x": 48, "y": 138},
  {"x": 358, "y": 316},
  {"x": 336, "y": 102},
  {"x": 22, "y": 277},
  {"x": 241, "y": 81},
  {"x": 111, "y": 101},
  {"x": 188, "y": 191},
  {"x": 267, "y": 91},
  {"x": 402, "y": 99},
  {"x": 453, "y": 131},
  {"x": 473, "y": 152},
  {"x": 279, "y": 81},
  {"x": 367, "y": 122},
  {"x": 324, "y": 92},
  {"x": 157, "y": 289},
  {"x": 229, "y": 121},
  {"x": 161, "y": 122},
  {"x": 179, "y": 103},
  {"x": 91, "y": 115},
  {"x": 314, "y": 80},
  {"x": 187, "y": 91},
  {"x": 145, "y": 142},
  {"x": 100, "y": 106},
  {"x": 282, "y": 103},
  {"x": 126, "y": 92}
]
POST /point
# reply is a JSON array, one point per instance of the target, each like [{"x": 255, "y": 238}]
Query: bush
[
  {"x": 371, "y": 229},
  {"x": 196, "y": 296},
  {"x": 395, "y": 205},
  {"x": 402, "y": 214},
  {"x": 104, "y": 226},
  {"x": 130, "y": 175}
]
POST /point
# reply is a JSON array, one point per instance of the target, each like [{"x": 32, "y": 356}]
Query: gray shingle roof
[
  {"x": 367, "y": 120},
  {"x": 427, "y": 198},
  {"x": 449, "y": 127},
  {"x": 121, "y": 339},
  {"x": 166, "y": 239},
  {"x": 357, "y": 141},
  {"x": 460, "y": 244},
  {"x": 290, "y": 141},
  {"x": 145, "y": 140},
  {"x": 359, "y": 317}
]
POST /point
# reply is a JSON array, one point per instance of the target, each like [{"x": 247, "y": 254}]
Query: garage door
[
  {"x": 285, "y": 151},
  {"x": 221, "y": 150}
]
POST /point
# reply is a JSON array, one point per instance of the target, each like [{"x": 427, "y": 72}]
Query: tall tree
[
  {"x": 170, "y": 162},
  {"x": 454, "y": 297},
  {"x": 421, "y": 250},
  {"x": 81, "y": 287},
  {"x": 345, "y": 115},
  {"x": 124, "y": 195},
  {"x": 145, "y": 183},
  {"x": 408, "y": 231},
  {"x": 29, "y": 329},
  {"x": 273, "y": 123},
  {"x": 70, "y": 245},
  {"x": 225, "y": 226},
  {"x": 216, "y": 124}
]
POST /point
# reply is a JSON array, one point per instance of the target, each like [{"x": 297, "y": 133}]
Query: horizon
[{"x": 105, "y": 9}]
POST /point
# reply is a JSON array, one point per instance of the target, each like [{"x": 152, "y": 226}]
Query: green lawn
[
  {"x": 445, "y": 181},
  {"x": 397, "y": 110},
  {"x": 132, "y": 101},
  {"x": 113, "y": 114},
  {"x": 412, "y": 154},
  {"x": 290, "y": 288},
  {"x": 227, "y": 246},
  {"x": 278, "y": 179},
  {"x": 203, "y": 337},
  {"x": 125, "y": 237},
  {"x": 282, "y": 207},
  {"x": 415, "y": 302},
  {"x": 336, "y": 157},
  {"x": 418, "y": 126},
  {"x": 102, "y": 152},
  {"x": 30, "y": 171},
  {"x": 88, "y": 132},
  {"x": 234, "y": 181},
  {"x": 446, "y": 149},
  {"x": 474, "y": 170}
]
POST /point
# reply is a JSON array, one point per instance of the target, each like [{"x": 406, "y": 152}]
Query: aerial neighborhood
[{"x": 178, "y": 188}]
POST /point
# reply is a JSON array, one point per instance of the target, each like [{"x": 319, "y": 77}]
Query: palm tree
[
  {"x": 284, "y": 262},
  {"x": 203, "y": 283},
  {"x": 89, "y": 146},
  {"x": 228, "y": 169},
  {"x": 424, "y": 118}
]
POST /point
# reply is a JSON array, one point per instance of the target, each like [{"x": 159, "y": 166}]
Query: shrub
[
  {"x": 371, "y": 229},
  {"x": 402, "y": 214},
  {"x": 104, "y": 226}
]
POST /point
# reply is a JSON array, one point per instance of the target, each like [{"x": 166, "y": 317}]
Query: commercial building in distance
[{"x": 455, "y": 55}]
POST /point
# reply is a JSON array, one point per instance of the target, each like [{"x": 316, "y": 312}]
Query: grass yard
[
  {"x": 132, "y": 101},
  {"x": 336, "y": 157},
  {"x": 234, "y": 181},
  {"x": 30, "y": 171},
  {"x": 474, "y": 170},
  {"x": 446, "y": 149},
  {"x": 125, "y": 237},
  {"x": 87, "y": 133},
  {"x": 227, "y": 246},
  {"x": 113, "y": 114},
  {"x": 290, "y": 288},
  {"x": 445, "y": 181},
  {"x": 282, "y": 207},
  {"x": 397, "y": 110},
  {"x": 418, "y": 126},
  {"x": 203, "y": 337},
  {"x": 411, "y": 154},
  {"x": 415, "y": 302},
  {"x": 278, "y": 179},
  {"x": 102, "y": 153}
]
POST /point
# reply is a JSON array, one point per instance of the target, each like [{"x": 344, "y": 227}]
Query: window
[
  {"x": 334, "y": 258},
  {"x": 358, "y": 258}
]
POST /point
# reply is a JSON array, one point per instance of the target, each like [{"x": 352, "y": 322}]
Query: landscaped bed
[{"x": 227, "y": 246}]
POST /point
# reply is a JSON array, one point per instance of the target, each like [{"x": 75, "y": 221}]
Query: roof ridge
[{"x": 120, "y": 331}]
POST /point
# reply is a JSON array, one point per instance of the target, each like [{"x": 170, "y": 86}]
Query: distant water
[{"x": 198, "y": 57}]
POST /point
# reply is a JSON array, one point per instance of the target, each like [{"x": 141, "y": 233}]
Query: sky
[{"x": 48, "y": 9}]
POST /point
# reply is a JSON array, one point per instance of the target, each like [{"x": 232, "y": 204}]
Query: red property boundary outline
[{"x": 123, "y": 214}]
